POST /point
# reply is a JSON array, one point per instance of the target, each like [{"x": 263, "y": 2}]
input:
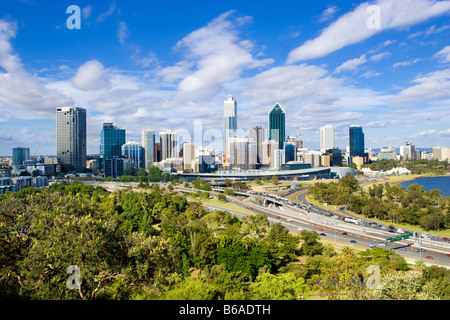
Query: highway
[
  {"x": 321, "y": 221},
  {"x": 336, "y": 230}
]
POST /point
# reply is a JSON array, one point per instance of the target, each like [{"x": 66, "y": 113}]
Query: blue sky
[{"x": 170, "y": 64}]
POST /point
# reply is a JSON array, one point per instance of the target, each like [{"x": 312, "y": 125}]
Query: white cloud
[
  {"x": 102, "y": 17},
  {"x": 91, "y": 76},
  {"x": 431, "y": 30},
  {"x": 430, "y": 87},
  {"x": 18, "y": 88},
  {"x": 86, "y": 12},
  {"x": 352, "y": 64},
  {"x": 328, "y": 13},
  {"x": 218, "y": 56},
  {"x": 379, "y": 56},
  {"x": 444, "y": 54},
  {"x": 122, "y": 32},
  {"x": 352, "y": 27},
  {"x": 405, "y": 63},
  {"x": 444, "y": 132}
]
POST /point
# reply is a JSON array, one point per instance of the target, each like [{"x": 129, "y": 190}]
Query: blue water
[{"x": 439, "y": 183}]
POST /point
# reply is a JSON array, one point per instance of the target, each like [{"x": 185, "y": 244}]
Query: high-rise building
[
  {"x": 279, "y": 159},
  {"x": 168, "y": 144},
  {"x": 411, "y": 150},
  {"x": 242, "y": 153},
  {"x": 258, "y": 134},
  {"x": 277, "y": 125},
  {"x": 326, "y": 138},
  {"x": 229, "y": 123},
  {"x": 134, "y": 151},
  {"x": 148, "y": 143},
  {"x": 71, "y": 136},
  {"x": 289, "y": 152},
  {"x": 189, "y": 157},
  {"x": 335, "y": 155},
  {"x": 112, "y": 139},
  {"x": 268, "y": 152},
  {"x": 356, "y": 139},
  {"x": 19, "y": 155}
]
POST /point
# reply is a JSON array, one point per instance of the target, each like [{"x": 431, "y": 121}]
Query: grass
[{"x": 398, "y": 179}]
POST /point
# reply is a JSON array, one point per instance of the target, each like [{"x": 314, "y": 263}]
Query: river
[{"x": 430, "y": 183}]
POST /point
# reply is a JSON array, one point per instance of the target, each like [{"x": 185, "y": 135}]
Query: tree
[
  {"x": 310, "y": 246},
  {"x": 284, "y": 286},
  {"x": 275, "y": 180},
  {"x": 403, "y": 286},
  {"x": 228, "y": 183},
  {"x": 222, "y": 197}
]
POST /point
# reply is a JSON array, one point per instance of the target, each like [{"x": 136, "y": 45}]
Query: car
[
  {"x": 420, "y": 250},
  {"x": 278, "y": 217},
  {"x": 344, "y": 233},
  {"x": 402, "y": 248},
  {"x": 353, "y": 241},
  {"x": 383, "y": 244},
  {"x": 448, "y": 254},
  {"x": 323, "y": 234},
  {"x": 320, "y": 229},
  {"x": 372, "y": 245},
  {"x": 428, "y": 257}
]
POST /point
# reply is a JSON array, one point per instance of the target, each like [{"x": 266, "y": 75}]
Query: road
[{"x": 296, "y": 219}]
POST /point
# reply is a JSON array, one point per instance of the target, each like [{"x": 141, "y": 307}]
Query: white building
[
  {"x": 326, "y": 138},
  {"x": 268, "y": 152},
  {"x": 229, "y": 123},
  {"x": 148, "y": 143},
  {"x": 242, "y": 153},
  {"x": 168, "y": 144}
]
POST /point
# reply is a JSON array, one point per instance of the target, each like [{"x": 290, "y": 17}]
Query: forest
[{"x": 158, "y": 245}]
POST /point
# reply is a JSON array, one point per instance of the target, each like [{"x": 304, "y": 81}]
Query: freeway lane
[
  {"x": 333, "y": 233},
  {"x": 300, "y": 221}
]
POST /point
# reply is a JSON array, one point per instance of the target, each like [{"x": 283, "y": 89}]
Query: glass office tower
[
  {"x": 229, "y": 123},
  {"x": 71, "y": 138},
  {"x": 277, "y": 125},
  {"x": 356, "y": 137},
  {"x": 148, "y": 143},
  {"x": 112, "y": 139},
  {"x": 19, "y": 155}
]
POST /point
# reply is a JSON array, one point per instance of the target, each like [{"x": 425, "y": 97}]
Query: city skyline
[{"x": 393, "y": 81}]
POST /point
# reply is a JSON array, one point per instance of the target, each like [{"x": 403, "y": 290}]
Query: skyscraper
[
  {"x": 258, "y": 134},
  {"x": 326, "y": 138},
  {"x": 134, "y": 151},
  {"x": 289, "y": 152},
  {"x": 148, "y": 143},
  {"x": 229, "y": 123},
  {"x": 19, "y": 155},
  {"x": 168, "y": 144},
  {"x": 242, "y": 153},
  {"x": 356, "y": 139},
  {"x": 268, "y": 152},
  {"x": 277, "y": 125},
  {"x": 189, "y": 157},
  {"x": 71, "y": 136},
  {"x": 112, "y": 139}
]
